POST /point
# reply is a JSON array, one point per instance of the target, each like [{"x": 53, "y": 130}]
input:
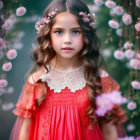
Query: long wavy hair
[{"x": 90, "y": 53}]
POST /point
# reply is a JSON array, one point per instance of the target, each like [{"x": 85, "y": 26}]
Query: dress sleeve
[
  {"x": 26, "y": 105},
  {"x": 117, "y": 114}
]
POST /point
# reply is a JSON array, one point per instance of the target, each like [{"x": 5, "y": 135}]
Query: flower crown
[{"x": 85, "y": 17}]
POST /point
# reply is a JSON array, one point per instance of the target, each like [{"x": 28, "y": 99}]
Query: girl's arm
[
  {"x": 109, "y": 131},
  {"x": 25, "y": 129}
]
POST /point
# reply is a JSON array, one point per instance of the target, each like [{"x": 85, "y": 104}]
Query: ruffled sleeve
[
  {"x": 26, "y": 105},
  {"x": 117, "y": 114}
]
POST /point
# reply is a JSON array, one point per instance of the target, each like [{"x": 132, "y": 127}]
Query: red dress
[{"x": 61, "y": 116}]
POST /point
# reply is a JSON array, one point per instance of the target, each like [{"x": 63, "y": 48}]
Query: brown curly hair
[{"x": 89, "y": 55}]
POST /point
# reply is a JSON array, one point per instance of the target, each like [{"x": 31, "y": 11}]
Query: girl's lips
[{"x": 67, "y": 49}]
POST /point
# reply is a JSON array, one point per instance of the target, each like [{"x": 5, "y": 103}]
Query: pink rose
[
  {"x": 118, "y": 54},
  {"x": 119, "y": 32},
  {"x": 137, "y": 27},
  {"x": 113, "y": 24},
  {"x": 135, "y": 63},
  {"x": 98, "y": 2},
  {"x": 3, "y": 83},
  {"x": 135, "y": 84},
  {"x": 128, "y": 45},
  {"x": 7, "y": 66},
  {"x": 127, "y": 19},
  {"x": 7, "y": 106},
  {"x": 138, "y": 3},
  {"x": 20, "y": 11},
  {"x": 11, "y": 54},
  {"x": 110, "y": 4},
  {"x": 131, "y": 105},
  {"x": 129, "y": 53},
  {"x": 138, "y": 138},
  {"x": 118, "y": 10},
  {"x": 8, "y": 25}
]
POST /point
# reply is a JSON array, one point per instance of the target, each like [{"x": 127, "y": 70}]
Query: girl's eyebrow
[{"x": 60, "y": 28}]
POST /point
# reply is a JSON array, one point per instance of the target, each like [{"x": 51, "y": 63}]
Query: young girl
[{"x": 58, "y": 99}]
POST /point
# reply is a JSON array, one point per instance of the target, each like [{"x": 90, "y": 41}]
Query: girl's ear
[{"x": 35, "y": 77}]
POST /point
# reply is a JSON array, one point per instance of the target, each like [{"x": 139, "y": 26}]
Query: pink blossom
[
  {"x": 119, "y": 32},
  {"x": 7, "y": 66},
  {"x": 1, "y": 43},
  {"x": 1, "y": 4},
  {"x": 8, "y": 25},
  {"x": 20, "y": 11},
  {"x": 118, "y": 54},
  {"x": 127, "y": 19},
  {"x": 110, "y": 4},
  {"x": 131, "y": 105},
  {"x": 115, "y": 97},
  {"x": 137, "y": 27},
  {"x": 98, "y": 2},
  {"x": 138, "y": 138},
  {"x": 11, "y": 54},
  {"x": 138, "y": 3},
  {"x": 118, "y": 10},
  {"x": 128, "y": 45},
  {"x": 100, "y": 111},
  {"x": 129, "y": 53},
  {"x": 135, "y": 84},
  {"x": 113, "y": 24},
  {"x": 131, "y": 127},
  {"x": 7, "y": 106},
  {"x": 3, "y": 83},
  {"x": 135, "y": 64}
]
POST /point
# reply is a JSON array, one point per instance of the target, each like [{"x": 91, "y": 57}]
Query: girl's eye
[
  {"x": 58, "y": 32},
  {"x": 76, "y": 32}
]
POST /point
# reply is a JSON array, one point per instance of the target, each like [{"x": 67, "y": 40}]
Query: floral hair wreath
[{"x": 85, "y": 17}]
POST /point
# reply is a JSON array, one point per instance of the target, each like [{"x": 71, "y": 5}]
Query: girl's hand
[{"x": 109, "y": 131}]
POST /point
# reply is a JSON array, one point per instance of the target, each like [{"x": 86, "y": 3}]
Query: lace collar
[{"x": 59, "y": 80}]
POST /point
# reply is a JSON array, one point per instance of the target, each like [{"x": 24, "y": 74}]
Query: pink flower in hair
[
  {"x": 128, "y": 45},
  {"x": 129, "y": 53},
  {"x": 7, "y": 66},
  {"x": 3, "y": 83},
  {"x": 135, "y": 63},
  {"x": 110, "y": 4},
  {"x": 11, "y": 54},
  {"x": 100, "y": 112},
  {"x": 98, "y": 2},
  {"x": 135, "y": 84},
  {"x": 138, "y": 3},
  {"x": 118, "y": 10},
  {"x": 118, "y": 54},
  {"x": 20, "y": 11},
  {"x": 137, "y": 27},
  {"x": 86, "y": 19},
  {"x": 1, "y": 4},
  {"x": 131, "y": 105},
  {"x": 113, "y": 24},
  {"x": 119, "y": 32},
  {"x": 127, "y": 19}
]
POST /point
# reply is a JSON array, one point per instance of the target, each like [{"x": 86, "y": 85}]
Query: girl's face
[{"x": 66, "y": 36}]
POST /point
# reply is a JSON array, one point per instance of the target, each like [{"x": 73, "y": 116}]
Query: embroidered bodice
[{"x": 59, "y": 80}]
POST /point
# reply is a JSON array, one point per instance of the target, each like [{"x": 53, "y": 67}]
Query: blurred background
[{"x": 22, "y": 35}]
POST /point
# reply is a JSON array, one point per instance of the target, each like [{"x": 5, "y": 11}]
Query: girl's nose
[{"x": 67, "y": 38}]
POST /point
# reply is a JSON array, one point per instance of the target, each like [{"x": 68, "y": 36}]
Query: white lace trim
[{"x": 59, "y": 80}]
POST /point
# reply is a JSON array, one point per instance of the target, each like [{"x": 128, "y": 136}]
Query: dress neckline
[{"x": 68, "y": 71}]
